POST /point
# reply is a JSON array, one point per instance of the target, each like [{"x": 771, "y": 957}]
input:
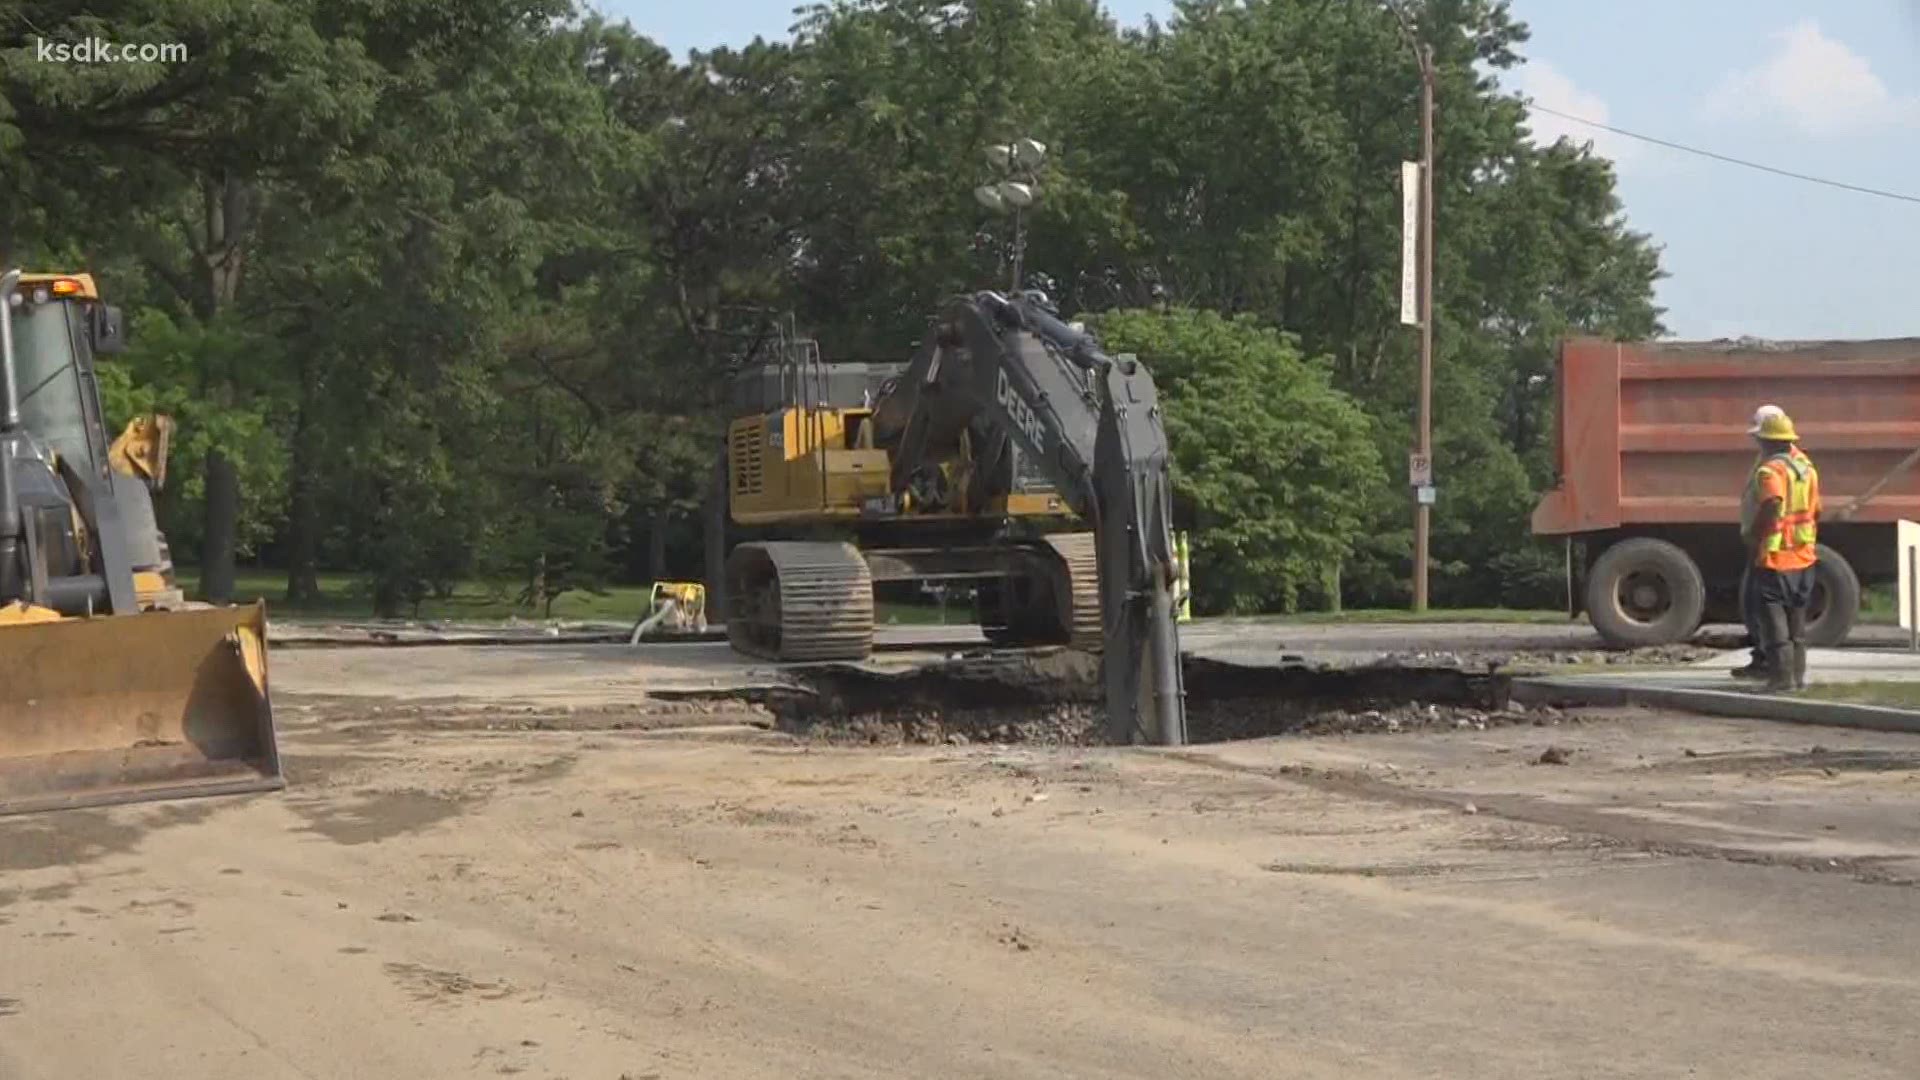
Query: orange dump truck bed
[{"x": 1652, "y": 446}]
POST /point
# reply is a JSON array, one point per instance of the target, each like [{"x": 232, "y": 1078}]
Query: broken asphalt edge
[
  {"x": 1783, "y": 708},
  {"x": 356, "y": 635}
]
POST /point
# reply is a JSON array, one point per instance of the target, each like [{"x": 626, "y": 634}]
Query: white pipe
[{"x": 640, "y": 628}]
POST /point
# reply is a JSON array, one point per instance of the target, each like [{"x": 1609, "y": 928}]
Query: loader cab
[{"x": 59, "y": 326}]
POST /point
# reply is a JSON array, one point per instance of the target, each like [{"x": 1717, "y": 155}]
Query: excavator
[
  {"x": 973, "y": 465},
  {"x": 116, "y": 689}
]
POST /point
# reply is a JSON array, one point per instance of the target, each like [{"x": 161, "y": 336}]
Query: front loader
[{"x": 112, "y": 688}]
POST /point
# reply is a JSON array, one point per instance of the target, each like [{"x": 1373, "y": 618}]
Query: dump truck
[
  {"x": 1652, "y": 455},
  {"x": 117, "y": 689},
  {"x": 1010, "y": 455}
]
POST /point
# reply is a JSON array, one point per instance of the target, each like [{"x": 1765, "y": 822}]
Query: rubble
[
  {"x": 1053, "y": 699},
  {"x": 1535, "y": 660}
]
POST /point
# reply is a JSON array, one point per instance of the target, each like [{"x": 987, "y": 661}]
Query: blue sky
[{"x": 1827, "y": 89}]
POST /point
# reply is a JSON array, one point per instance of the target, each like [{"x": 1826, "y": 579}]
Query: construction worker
[
  {"x": 1750, "y": 613},
  {"x": 1780, "y": 532},
  {"x": 1183, "y": 579}
]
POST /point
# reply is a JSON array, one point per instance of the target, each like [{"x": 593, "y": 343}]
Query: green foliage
[
  {"x": 160, "y": 374},
  {"x": 1272, "y": 464},
  {"x": 456, "y": 283}
]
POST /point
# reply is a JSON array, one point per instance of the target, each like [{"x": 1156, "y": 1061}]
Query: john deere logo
[{"x": 1021, "y": 414}]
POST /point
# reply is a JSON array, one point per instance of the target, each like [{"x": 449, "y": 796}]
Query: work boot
[
  {"x": 1780, "y": 671},
  {"x": 1756, "y": 668},
  {"x": 1799, "y": 665}
]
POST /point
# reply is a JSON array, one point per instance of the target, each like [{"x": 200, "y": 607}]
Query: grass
[
  {"x": 1879, "y": 605},
  {"x": 1433, "y": 615},
  {"x": 350, "y": 596},
  {"x": 1898, "y": 695}
]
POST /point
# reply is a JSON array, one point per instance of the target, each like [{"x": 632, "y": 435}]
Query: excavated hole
[{"x": 1053, "y": 698}]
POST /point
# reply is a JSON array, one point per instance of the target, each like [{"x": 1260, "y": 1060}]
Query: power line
[{"x": 1722, "y": 157}]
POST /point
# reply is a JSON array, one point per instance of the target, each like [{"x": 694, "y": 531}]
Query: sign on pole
[
  {"x": 1409, "y": 243},
  {"x": 1909, "y": 594},
  {"x": 1419, "y": 470}
]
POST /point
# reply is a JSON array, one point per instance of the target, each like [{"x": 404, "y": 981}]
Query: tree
[
  {"x": 452, "y": 286},
  {"x": 265, "y": 94},
  {"x": 1271, "y": 463},
  {"x": 1252, "y": 152}
]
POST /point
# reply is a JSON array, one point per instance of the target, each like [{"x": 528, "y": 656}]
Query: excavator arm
[{"x": 1092, "y": 424}]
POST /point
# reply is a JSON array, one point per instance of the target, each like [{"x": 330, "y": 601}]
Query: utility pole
[
  {"x": 1420, "y": 462},
  {"x": 1423, "y": 495}
]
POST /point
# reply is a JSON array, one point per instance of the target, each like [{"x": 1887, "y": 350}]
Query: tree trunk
[
  {"x": 222, "y": 521},
  {"x": 229, "y": 206},
  {"x": 230, "y": 212},
  {"x": 386, "y": 598},
  {"x": 714, "y": 536},
  {"x": 657, "y": 545},
  {"x": 303, "y": 504},
  {"x": 303, "y": 521}
]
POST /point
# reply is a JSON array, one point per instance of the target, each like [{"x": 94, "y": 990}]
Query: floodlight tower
[{"x": 1018, "y": 163}]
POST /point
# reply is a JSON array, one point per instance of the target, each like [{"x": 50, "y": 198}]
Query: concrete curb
[{"x": 1791, "y": 710}]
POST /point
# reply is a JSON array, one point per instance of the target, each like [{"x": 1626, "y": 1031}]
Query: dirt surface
[
  {"x": 546, "y": 879},
  {"x": 587, "y": 672}
]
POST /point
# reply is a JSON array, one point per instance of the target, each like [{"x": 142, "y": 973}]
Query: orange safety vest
[{"x": 1790, "y": 546}]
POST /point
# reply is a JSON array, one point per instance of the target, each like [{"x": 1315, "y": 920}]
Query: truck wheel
[
  {"x": 1836, "y": 599},
  {"x": 1645, "y": 592}
]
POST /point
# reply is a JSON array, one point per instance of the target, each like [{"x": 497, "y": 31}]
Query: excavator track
[
  {"x": 799, "y": 601},
  {"x": 1038, "y": 616},
  {"x": 1076, "y": 553}
]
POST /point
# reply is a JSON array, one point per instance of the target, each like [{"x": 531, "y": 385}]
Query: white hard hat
[{"x": 1762, "y": 414}]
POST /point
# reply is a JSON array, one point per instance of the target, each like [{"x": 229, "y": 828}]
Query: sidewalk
[
  {"x": 1823, "y": 666},
  {"x": 1706, "y": 687}
]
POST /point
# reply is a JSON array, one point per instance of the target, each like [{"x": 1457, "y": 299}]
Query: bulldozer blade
[{"x": 131, "y": 708}]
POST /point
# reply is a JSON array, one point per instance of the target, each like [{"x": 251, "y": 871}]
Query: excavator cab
[{"x": 115, "y": 689}]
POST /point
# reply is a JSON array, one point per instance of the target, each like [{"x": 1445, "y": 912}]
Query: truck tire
[
  {"x": 1836, "y": 599},
  {"x": 1645, "y": 592}
]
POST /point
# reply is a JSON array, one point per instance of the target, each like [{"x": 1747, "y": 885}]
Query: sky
[{"x": 1826, "y": 89}]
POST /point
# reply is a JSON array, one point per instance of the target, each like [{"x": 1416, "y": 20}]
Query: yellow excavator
[
  {"x": 1012, "y": 456},
  {"x": 115, "y": 688}
]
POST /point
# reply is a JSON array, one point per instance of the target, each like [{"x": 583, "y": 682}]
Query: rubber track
[
  {"x": 826, "y": 603},
  {"x": 1077, "y": 553}
]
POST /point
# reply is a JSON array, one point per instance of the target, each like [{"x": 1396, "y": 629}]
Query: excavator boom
[{"x": 1091, "y": 422}]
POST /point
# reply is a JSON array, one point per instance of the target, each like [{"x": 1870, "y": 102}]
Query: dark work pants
[
  {"x": 1751, "y": 609},
  {"x": 1775, "y": 604}
]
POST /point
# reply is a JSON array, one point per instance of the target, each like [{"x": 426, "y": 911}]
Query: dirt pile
[
  {"x": 1318, "y": 718},
  {"x": 1054, "y": 725},
  {"x": 1054, "y": 699},
  {"x": 1047, "y": 698},
  {"x": 1525, "y": 660}
]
